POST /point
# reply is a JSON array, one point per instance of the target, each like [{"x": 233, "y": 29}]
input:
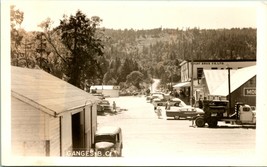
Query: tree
[
  {"x": 78, "y": 34},
  {"x": 135, "y": 78},
  {"x": 124, "y": 70},
  {"x": 59, "y": 53},
  {"x": 16, "y": 18}
]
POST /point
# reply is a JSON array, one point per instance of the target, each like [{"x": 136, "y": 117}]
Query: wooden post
[{"x": 229, "y": 91}]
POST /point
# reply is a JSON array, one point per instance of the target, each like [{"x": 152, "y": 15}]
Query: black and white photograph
[{"x": 123, "y": 83}]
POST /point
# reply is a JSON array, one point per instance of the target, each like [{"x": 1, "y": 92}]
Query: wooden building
[
  {"x": 200, "y": 65},
  {"x": 49, "y": 116},
  {"x": 194, "y": 70},
  {"x": 242, "y": 85}
]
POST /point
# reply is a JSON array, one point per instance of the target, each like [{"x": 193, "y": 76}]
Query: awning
[
  {"x": 240, "y": 77},
  {"x": 182, "y": 84},
  {"x": 214, "y": 78}
]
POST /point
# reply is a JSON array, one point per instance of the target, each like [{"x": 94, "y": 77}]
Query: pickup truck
[{"x": 179, "y": 110}]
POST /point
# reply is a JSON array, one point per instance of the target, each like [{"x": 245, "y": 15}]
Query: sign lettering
[{"x": 249, "y": 91}]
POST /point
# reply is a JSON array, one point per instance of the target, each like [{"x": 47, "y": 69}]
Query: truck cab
[
  {"x": 217, "y": 110},
  {"x": 247, "y": 115}
]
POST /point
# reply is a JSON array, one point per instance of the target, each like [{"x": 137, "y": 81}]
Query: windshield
[
  {"x": 179, "y": 104},
  {"x": 105, "y": 138},
  {"x": 182, "y": 104}
]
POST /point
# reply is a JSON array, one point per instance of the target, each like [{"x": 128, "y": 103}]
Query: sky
[{"x": 144, "y": 14}]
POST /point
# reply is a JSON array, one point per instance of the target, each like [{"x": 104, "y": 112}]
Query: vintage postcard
[{"x": 87, "y": 83}]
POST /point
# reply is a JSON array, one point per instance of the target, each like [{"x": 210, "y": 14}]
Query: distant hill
[{"x": 161, "y": 50}]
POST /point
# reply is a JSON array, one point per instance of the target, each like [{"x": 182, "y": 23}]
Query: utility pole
[
  {"x": 229, "y": 90},
  {"x": 192, "y": 73},
  {"x": 171, "y": 80},
  {"x": 192, "y": 81}
]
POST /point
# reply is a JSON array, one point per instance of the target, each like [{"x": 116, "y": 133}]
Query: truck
[
  {"x": 108, "y": 142},
  {"x": 218, "y": 110}
]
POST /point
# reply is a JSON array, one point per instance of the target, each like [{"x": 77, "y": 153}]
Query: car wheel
[
  {"x": 176, "y": 117},
  {"x": 200, "y": 122}
]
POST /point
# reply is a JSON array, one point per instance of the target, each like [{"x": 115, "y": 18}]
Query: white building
[
  {"x": 106, "y": 90},
  {"x": 49, "y": 117},
  {"x": 200, "y": 65}
]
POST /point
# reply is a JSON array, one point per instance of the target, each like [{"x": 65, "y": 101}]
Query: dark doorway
[{"x": 76, "y": 132}]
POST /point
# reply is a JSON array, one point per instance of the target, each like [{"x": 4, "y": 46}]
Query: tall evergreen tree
[{"x": 78, "y": 34}]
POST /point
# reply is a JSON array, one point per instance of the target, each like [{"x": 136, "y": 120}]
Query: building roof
[
  {"x": 214, "y": 78},
  {"x": 238, "y": 78},
  {"x": 182, "y": 84},
  {"x": 108, "y": 130},
  {"x": 218, "y": 60},
  {"x": 47, "y": 92}
]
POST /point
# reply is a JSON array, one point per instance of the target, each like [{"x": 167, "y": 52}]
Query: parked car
[
  {"x": 99, "y": 95},
  {"x": 178, "y": 109},
  {"x": 103, "y": 106},
  {"x": 108, "y": 142},
  {"x": 173, "y": 102},
  {"x": 159, "y": 101},
  {"x": 154, "y": 96}
]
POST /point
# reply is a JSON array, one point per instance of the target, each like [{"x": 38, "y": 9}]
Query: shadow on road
[
  {"x": 228, "y": 127},
  {"x": 181, "y": 119},
  {"x": 113, "y": 113}
]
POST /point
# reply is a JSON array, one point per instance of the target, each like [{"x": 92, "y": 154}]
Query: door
[{"x": 77, "y": 132}]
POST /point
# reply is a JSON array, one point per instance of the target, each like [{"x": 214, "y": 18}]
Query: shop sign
[{"x": 250, "y": 91}]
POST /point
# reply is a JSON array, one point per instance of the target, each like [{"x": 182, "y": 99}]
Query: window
[
  {"x": 118, "y": 137},
  {"x": 214, "y": 68}
]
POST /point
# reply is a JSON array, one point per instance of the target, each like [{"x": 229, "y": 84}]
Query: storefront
[{"x": 242, "y": 85}]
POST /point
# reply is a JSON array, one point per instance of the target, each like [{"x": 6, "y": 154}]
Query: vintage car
[
  {"x": 99, "y": 95},
  {"x": 154, "y": 96},
  {"x": 159, "y": 101},
  {"x": 178, "y": 109},
  {"x": 103, "y": 106},
  {"x": 108, "y": 142}
]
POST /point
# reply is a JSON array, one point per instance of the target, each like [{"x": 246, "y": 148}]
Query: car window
[
  {"x": 106, "y": 138},
  {"x": 177, "y": 104},
  {"x": 104, "y": 102},
  {"x": 118, "y": 137},
  {"x": 246, "y": 109},
  {"x": 182, "y": 104}
]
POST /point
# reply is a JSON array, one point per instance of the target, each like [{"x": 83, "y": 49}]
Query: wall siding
[
  {"x": 90, "y": 126},
  {"x": 238, "y": 94},
  {"x": 66, "y": 134},
  {"x": 27, "y": 129},
  {"x": 35, "y": 132},
  {"x": 54, "y": 136}
]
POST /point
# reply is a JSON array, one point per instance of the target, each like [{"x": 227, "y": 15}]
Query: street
[{"x": 146, "y": 136}]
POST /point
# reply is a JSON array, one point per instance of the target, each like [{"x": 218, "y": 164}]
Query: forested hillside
[
  {"x": 83, "y": 53},
  {"x": 159, "y": 51}
]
